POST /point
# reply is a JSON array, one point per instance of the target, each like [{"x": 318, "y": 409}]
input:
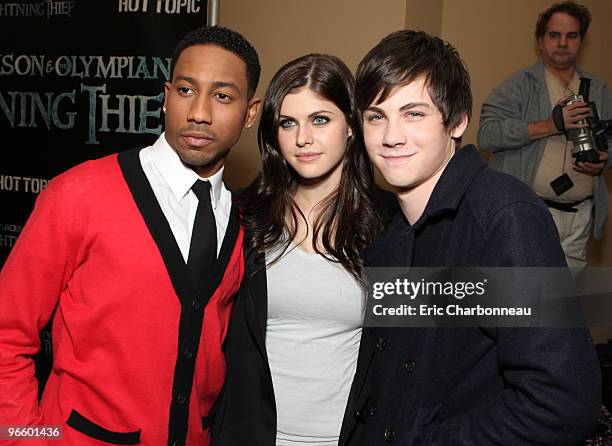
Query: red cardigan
[{"x": 128, "y": 329}]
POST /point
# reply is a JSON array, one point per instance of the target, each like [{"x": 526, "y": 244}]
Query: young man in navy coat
[{"x": 459, "y": 386}]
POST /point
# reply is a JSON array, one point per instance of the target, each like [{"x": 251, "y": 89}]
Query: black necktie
[{"x": 203, "y": 247}]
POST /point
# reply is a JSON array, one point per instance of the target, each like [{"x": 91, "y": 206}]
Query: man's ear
[
  {"x": 459, "y": 129},
  {"x": 252, "y": 110},
  {"x": 167, "y": 86}
]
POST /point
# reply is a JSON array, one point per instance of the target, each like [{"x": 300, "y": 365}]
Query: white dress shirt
[{"x": 171, "y": 181}]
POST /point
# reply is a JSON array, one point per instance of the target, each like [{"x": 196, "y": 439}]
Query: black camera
[{"x": 588, "y": 140}]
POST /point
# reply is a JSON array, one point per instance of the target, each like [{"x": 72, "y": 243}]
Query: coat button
[
  {"x": 410, "y": 366},
  {"x": 357, "y": 414},
  {"x": 188, "y": 354},
  {"x": 389, "y": 434},
  {"x": 372, "y": 411},
  {"x": 180, "y": 399},
  {"x": 381, "y": 344},
  {"x": 196, "y": 306}
]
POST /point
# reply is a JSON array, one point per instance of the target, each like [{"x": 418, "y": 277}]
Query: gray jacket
[{"x": 523, "y": 98}]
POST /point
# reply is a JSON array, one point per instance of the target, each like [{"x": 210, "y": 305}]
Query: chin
[
  {"x": 192, "y": 158},
  {"x": 400, "y": 184},
  {"x": 395, "y": 178},
  {"x": 311, "y": 177},
  {"x": 308, "y": 171}
]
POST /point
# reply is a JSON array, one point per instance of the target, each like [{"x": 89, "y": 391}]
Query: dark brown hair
[
  {"x": 579, "y": 12},
  {"x": 404, "y": 56},
  {"x": 347, "y": 219}
]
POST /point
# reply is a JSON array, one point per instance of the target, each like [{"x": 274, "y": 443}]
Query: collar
[
  {"x": 554, "y": 82},
  {"x": 390, "y": 248},
  {"x": 536, "y": 71},
  {"x": 179, "y": 177},
  {"x": 453, "y": 184}
]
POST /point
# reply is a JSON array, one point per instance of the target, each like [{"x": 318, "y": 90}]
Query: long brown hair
[{"x": 347, "y": 219}]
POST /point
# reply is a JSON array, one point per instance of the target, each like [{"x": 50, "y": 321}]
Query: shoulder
[
  {"x": 520, "y": 80},
  {"x": 519, "y": 77},
  {"x": 594, "y": 79},
  {"x": 493, "y": 191},
  {"x": 516, "y": 225},
  {"x": 74, "y": 194},
  {"x": 600, "y": 91},
  {"x": 86, "y": 176}
]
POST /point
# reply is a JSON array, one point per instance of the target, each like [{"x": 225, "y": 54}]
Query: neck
[
  {"x": 565, "y": 74},
  {"x": 307, "y": 197},
  {"x": 413, "y": 200},
  {"x": 309, "y": 193}
]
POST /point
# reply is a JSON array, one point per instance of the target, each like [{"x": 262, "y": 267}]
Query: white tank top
[{"x": 312, "y": 339}]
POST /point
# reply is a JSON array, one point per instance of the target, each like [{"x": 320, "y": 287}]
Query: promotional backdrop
[{"x": 78, "y": 80}]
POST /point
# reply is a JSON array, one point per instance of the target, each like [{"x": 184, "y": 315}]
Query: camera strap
[
  {"x": 557, "y": 115},
  {"x": 584, "y": 89},
  {"x": 557, "y": 112}
]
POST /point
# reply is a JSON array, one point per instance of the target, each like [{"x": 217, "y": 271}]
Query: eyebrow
[
  {"x": 552, "y": 31},
  {"x": 403, "y": 108},
  {"x": 222, "y": 84},
  {"x": 315, "y": 113},
  {"x": 215, "y": 84},
  {"x": 375, "y": 110},
  {"x": 411, "y": 105}
]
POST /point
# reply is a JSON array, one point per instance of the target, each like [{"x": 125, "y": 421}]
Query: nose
[
  {"x": 563, "y": 40},
  {"x": 303, "y": 136},
  {"x": 394, "y": 135},
  {"x": 200, "y": 111}
]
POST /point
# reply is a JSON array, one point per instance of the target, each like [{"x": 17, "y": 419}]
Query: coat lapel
[
  {"x": 159, "y": 228},
  {"x": 156, "y": 221}
]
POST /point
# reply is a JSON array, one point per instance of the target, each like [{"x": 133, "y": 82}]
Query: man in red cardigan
[{"x": 137, "y": 334}]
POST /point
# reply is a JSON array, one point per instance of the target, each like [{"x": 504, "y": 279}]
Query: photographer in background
[{"x": 527, "y": 137}]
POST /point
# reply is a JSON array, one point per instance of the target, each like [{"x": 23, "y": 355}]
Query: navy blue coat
[{"x": 474, "y": 386}]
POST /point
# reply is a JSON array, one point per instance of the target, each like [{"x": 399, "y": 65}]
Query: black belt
[{"x": 565, "y": 207}]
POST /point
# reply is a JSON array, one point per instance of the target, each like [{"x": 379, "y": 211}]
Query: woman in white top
[{"x": 294, "y": 339}]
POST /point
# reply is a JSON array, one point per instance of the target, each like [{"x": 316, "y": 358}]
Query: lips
[
  {"x": 197, "y": 139},
  {"x": 396, "y": 156},
  {"x": 308, "y": 156}
]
